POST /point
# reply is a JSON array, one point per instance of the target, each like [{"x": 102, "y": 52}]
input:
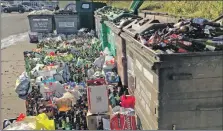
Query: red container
[{"x": 128, "y": 101}]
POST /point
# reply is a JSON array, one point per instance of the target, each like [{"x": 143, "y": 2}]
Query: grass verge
[{"x": 205, "y": 9}]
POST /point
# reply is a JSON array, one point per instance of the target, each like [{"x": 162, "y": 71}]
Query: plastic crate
[
  {"x": 66, "y": 24},
  {"x": 41, "y": 23}
]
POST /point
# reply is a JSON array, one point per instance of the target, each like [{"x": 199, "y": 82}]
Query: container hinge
[{"x": 181, "y": 76}]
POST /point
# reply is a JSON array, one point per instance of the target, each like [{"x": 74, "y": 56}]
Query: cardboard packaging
[
  {"x": 97, "y": 99},
  {"x": 94, "y": 119}
]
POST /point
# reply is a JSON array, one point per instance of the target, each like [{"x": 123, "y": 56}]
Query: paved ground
[
  {"x": 12, "y": 63},
  {"x": 13, "y": 23}
]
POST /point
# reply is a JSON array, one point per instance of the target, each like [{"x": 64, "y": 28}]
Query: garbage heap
[
  {"x": 70, "y": 84},
  {"x": 188, "y": 35}
]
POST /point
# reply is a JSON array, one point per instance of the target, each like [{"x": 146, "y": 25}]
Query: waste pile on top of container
[
  {"x": 188, "y": 35},
  {"x": 110, "y": 13},
  {"x": 68, "y": 84},
  {"x": 41, "y": 12}
]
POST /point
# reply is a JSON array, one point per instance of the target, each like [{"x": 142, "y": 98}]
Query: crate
[
  {"x": 41, "y": 23},
  {"x": 66, "y": 24}
]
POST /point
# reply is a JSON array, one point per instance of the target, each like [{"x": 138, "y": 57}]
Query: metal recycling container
[
  {"x": 172, "y": 85},
  {"x": 41, "y": 23},
  {"x": 66, "y": 24},
  {"x": 86, "y": 13}
]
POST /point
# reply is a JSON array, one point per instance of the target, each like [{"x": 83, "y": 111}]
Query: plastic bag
[
  {"x": 90, "y": 72},
  {"x": 22, "y": 84},
  {"x": 99, "y": 61},
  {"x": 64, "y": 103},
  {"x": 112, "y": 77},
  {"x": 43, "y": 122},
  {"x": 28, "y": 123},
  {"x": 35, "y": 70},
  {"x": 98, "y": 74},
  {"x": 107, "y": 52},
  {"x": 109, "y": 62},
  {"x": 52, "y": 89}
]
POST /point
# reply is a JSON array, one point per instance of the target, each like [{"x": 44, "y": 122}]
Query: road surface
[
  {"x": 13, "y": 23},
  {"x": 14, "y": 27}
]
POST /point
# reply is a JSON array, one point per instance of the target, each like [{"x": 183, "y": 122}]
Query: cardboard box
[
  {"x": 94, "y": 119},
  {"x": 97, "y": 99}
]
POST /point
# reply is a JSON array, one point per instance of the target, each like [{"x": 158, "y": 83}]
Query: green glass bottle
[
  {"x": 68, "y": 124},
  {"x": 63, "y": 123}
]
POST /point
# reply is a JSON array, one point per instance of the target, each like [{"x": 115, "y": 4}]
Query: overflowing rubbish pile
[
  {"x": 110, "y": 13},
  {"x": 41, "y": 12},
  {"x": 70, "y": 84},
  {"x": 188, "y": 35}
]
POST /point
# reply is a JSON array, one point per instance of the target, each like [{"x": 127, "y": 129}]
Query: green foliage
[{"x": 205, "y": 9}]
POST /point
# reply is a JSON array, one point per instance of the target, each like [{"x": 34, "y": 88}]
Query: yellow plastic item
[{"x": 43, "y": 122}]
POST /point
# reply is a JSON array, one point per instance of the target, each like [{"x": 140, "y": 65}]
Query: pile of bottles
[
  {"x": 64, "y": 12},
  {"x": 111, "y": 12},
  {"x": 34, "y": 101},
  {"x": 188, "y": 35},
  {"x": 124, "y": 20},
  {"x": 74, "y": 119}
]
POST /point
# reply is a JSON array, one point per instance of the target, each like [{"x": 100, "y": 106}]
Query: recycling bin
[
  {"x": 41, "y": 23},
  {"x": 167, "y": 84},
  {"x": 67, "y": 23}
]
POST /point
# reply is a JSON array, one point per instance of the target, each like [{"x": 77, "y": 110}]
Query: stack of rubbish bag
[{"x": 56, "y": 84}]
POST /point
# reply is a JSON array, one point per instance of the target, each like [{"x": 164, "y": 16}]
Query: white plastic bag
[
  {"x": 29, "y": 123},
  {"x": 90, "y": 72},
  {"x": 99, "y": 61},
  {"x": 106, "y": 51},
  {"x": 107, "y": 64},
  {"x": 35, "y": 70},
  {"x": 50, "y": 90}
]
